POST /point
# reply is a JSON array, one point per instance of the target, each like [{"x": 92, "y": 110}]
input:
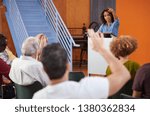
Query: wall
[
  {"x": 61, "y": 7},
  {"x": 134, "y": 20},
  {"x": 78, "y": 13},
  {"x": 4, "y": 29},
  {"x": 74, "y": 13}
]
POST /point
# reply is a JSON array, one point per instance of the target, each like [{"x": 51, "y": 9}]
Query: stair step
[
  {"x": 48, "y": 34},
  {"x": 34, "y": 19},
  {"x": 33, "y": 5},
  {"x": 27, "y": 1},
  {"x": 38, "y": 28},
  {"x": 29, "y": 17},
  {"x": 30, "y": 11},
  {"x": 29, "y": 22}
]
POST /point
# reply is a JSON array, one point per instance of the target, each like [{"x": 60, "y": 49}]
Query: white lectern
[{"x": 96, "y": 63}]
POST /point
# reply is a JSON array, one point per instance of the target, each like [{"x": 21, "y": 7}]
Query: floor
[{"x": 83, "y": 68}]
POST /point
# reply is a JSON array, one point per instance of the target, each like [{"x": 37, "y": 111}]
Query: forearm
[{"x": 114, "y": 15}]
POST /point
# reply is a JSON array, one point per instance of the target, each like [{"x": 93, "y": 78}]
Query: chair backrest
[
  {"x": 26, "y": 92},
  {"x": 76, "y": 76},
  {"x": 126, "y": 89},
  {"x": 7, "y": 91},
  {"x": 125, "y": 96},
  {"x": 94, "y": 25}
]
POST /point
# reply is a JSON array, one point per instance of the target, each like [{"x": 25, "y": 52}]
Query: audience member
[
  {"x": 121, "y": 49},
  {"x": 110, "y": 22},
  {"x": 5, "y": 54},
  {"x": 4, "y": 71},
  {"x": 26, "y": 69},
  {"x": 54, "y": 59},
  {"x": 141, "y": 85}
]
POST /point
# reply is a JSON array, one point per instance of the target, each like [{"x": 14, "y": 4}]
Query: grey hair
[{"x": 29, "y": 46}]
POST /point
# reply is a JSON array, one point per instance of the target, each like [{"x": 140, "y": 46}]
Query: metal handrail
[
  {"x": 62, "y": 33},
  {"x": 17, "y": 22}
]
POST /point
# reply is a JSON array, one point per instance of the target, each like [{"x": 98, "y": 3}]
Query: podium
[{"x": 96, "y": 63}]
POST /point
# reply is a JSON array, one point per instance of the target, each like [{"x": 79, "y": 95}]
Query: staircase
[
  {"x": 34, "y": 19},
  {"x": 31, "y": 17}
]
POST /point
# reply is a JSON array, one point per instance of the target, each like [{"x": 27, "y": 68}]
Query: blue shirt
[{"x": 113, "y": 28}]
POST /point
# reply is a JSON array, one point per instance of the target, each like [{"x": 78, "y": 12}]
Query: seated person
[
  {"x": 121, "y": 48},
  {"x": 141, "y": 84},
  {"x": 55, "y": 62},
  {"x": 5, "y": 54},
  {"x": 26, "y": 69}
]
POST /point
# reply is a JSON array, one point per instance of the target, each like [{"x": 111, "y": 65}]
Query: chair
[
  {"x": 95, "y": 26},
  {"x": 76, "y": 76},
  {"x": 126, "y": 89},
  {"x": 7, "y": 91},
  {"x": 26, "y": 92},
  {"x": 125, "y": 96},
  {"x": 83, "y": 47}
]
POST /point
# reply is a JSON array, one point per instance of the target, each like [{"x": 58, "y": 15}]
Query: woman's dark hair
[
  {"x": 102, "y": 16},
  {"x": 3, "y": 42},
  {"x": 123, "y": 46}
]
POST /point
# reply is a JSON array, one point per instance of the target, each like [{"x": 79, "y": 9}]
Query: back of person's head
[
  {"x": 102, "y": 16},
  {"x": 3, "y": 42},
  {"x": 30, "y": 46},
  {"x": 54, "y": 60},
  {"x": 123, "y": 46}
]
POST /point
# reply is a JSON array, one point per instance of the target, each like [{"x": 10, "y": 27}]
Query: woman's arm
[{"x": 113, "y": 12}]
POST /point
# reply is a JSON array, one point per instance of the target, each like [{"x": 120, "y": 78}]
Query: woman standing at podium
[{"x": 110, "y": 22}]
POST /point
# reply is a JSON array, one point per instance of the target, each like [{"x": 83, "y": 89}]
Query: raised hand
[{"x": 97, "y": 40}]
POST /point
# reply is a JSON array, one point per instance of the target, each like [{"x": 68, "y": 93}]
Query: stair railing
[
  {"x": 62, "y": 33},
  {"x": 17, "y": 24}
]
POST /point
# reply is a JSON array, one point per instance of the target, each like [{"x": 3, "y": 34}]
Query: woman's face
[{"x": 107, "y": 17}]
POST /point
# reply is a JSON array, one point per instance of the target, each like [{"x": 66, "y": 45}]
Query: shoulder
[
  {"x": 145, "y": 68},
  {"x": 41, "y": 94},
  {"x": 101, "y": 27},
  {"x": 143, "y": 72},
  {"x": 96, "y": 87},
  {"x": 95, "y": 82},
  {"x": 132, "y": 64},
  {"x": 142, "y": 76},
  {"x": 93, "y": 79},
  {"x": 116, "y": 21}
]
